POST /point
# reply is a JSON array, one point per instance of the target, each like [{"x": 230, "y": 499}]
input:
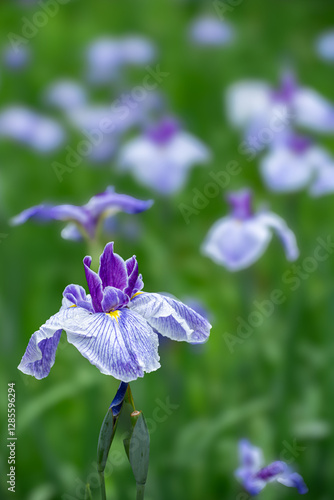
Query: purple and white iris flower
[
  {"x": 83, "y": 221},
  {"x": 116, "y": 326},
  {"x": 162, "y": 157},
  {"x": 254, "y": 477},
  {"x": 325, "y": 46},
  {"x": 240, "y": 239},
  {"x": 28, "y": 127},
  {"x": 106, "y": 56},
  {"x": 254, "y": 106},
  {"x": 211, "y": 32}
]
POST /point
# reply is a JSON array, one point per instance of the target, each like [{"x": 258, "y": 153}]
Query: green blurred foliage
[{"x": 277, "y": 385}]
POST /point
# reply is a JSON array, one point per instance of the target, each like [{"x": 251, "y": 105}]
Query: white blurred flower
[{"x": 210, "y": 31}]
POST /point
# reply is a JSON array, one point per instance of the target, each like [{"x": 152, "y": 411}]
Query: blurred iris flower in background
[
  {"x": 255, "y": 477},
  {"x": 211, "y": 32},
  {"x": 30, "y": 128},
  {"x": 85, "y": 220},
  {"x": 240, "y": 239},
  {"x": 161, "y": 157}
]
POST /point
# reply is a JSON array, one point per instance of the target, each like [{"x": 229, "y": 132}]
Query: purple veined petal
[
  {"x": 293, "y": 480},
  {"x": 285, "y": 234},
  {"x": 171, "y": 318},
  {"x": 313, "y": 111},
  {"x": 40, "y": 354},
  {"x": 271, "y": 472},
  {"x": 113, "y": 298},
  {"x": 109, "y": 202},
  {"x": 94, "y": 285},
  {"x": 71, "y": 213},
  {"x": 132, "y": 270},
  {"x": 112, "y": 269},
  {"x": 66, "y": 94},
  {"x": 121, "y": 344},
  {"x": 325, "y": 46},
  {"x": 236, "y": 244},
  {"x": 211, "y": 32},
  {"x": 284, "y": 171},
  {"x": 246, "y": 101},
  {"x": 139, "y": 285}
]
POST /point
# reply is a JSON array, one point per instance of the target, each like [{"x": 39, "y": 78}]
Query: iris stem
[
  {"x": 103, "y": 486},
  {"x": 140, "y": 491}
]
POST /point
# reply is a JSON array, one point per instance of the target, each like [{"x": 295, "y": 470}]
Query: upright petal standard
[
  {"x": 239, "y": 239},
  {"x": 116, "y": 325},
  {"x": 254, "y": 477}
]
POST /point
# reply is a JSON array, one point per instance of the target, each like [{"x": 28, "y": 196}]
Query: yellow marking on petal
[
  {"x": 74, "y": 305},
  {"x": 114, "y": 315},
  {"x": 138, "y": 293}
]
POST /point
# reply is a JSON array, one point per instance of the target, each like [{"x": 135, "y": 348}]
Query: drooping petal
[
  {"x": 323, "y": 183},
  {"x": 112, "y": 269},
  {"x": 121, "y": 344},
  {"x": 293, "y": 480},
  {"x": 186, "y": 150},
  {"x": 40, "y": 354},
  {"x": 284, "y": 171},
  {"x": 284, "y": 233},
  {"x": 94, "y": 285},
  {"x": 41, "y": 213},
  {"x": 171, "y": 318},
  {"x": 313, "y": 111},
  {"x": 236, "y": 244}
]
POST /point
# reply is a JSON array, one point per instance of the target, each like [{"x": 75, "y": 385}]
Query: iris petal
[{"x": 171, "y": 318}]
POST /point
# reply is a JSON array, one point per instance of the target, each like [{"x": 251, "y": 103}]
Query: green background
[{"x": 276, "y": 387}]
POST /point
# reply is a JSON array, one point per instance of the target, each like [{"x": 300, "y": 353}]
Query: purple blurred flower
[
  {"x": 162, "y": 157},
  {"x": 106, "y": 56},
  {"x": 293, "y": 163},
  {"x": 28, "y": 127},
  {"x": 210, "y": 31},
  {"x": 66, "y": 95},
  {"x": 254, "y": 477},
  {"x": 84, "y": 220},
  {"x": 254, "y": 106},
  {"x": 16, "y": 58},
  {"x": 325, "y": 45},
  {"x": 115, "y": 327},
  {"x": 239, "y": 239}
]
